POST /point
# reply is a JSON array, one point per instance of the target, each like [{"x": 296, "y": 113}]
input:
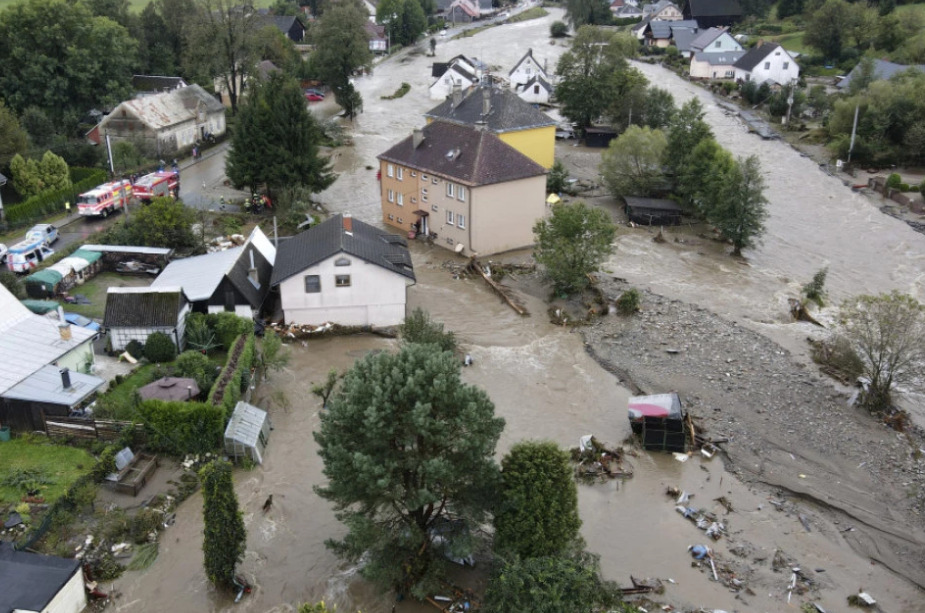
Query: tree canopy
[
  {"x": 13, "y": 138},
  {"x": 572, "y": 243},
  {"x": 404, "y": 20},
  {"x": 888, "y": 334},
  {"x": 275, "y": 140},
  {"x": 418, "y": 327},
  {"x": 587, "y": 12},
  {"x": 341, "y": 48},
  {"x": 60, "y": 57},
  {"x": 740, "y": 212},
  {"x": 686, "y": 130},
  {"x": 408, "y": 453},
  {"x": 632, "y": 163},
  {"x": 702, "y": 178},
  {"x": 538, "y": 513},
  {"x": 224, "y": 536},
  {"x": 164, "y": 222}
]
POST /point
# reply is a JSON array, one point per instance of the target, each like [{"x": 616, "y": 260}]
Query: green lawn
[
  {"x": 95, "y": 291},
  {"x": 791, "y": 42},
  {"x": 57, "y": 463}
]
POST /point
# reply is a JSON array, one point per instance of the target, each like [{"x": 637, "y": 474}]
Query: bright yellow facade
[{"x": 538, "y": 144}]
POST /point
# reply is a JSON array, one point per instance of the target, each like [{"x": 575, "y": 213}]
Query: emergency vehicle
[
  {"x": 105, "y": 199},
  {"x": 157, "y": 185},
  {"x": 25, "y": 255}
]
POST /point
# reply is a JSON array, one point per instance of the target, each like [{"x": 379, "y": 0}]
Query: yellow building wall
[{"x": 538, "y": 144}]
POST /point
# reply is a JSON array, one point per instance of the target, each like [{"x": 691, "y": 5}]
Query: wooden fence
[{"x": 96, "y": 429}]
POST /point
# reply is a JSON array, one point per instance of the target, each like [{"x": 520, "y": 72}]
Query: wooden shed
[{"x": 653, "y": 211}]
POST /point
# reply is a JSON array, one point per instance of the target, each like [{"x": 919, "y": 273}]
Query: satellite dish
[{"x": 459, "y": 248}]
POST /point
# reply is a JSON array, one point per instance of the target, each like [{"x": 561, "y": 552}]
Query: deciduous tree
[
  {"x": 27, "y": 180},
  {"x": 828, "y": 29},
  {"x": 538, "y": 511},
  {"x": 406, "y": 446},
  {"x": 342, "y": 47},
  {"x": 888, "y": 333},
  {"x": 587, "y": 12},
  {"x": 224, "y": 535},
  {"x": 275, "y": 141},
  {"x": 702, "y": 178},
  {"x": 741, "y": 210},
  {"x": 572, "y": 243},
  {"x": 632, "y": 163},
  {"x": 164, "y": 222},
  {"x": 686, "y": 131},
  {"x": 13, "y": 137}
]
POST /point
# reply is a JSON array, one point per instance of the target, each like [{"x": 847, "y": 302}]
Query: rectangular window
[
  {"x": 341, "y": 280},
  {"x": 391, "y": 196},
  {"x": 401, "y": 173},
  {"x": 434, "y": 208},
  {"x": 312, "y": 284},
  {"x": 401, "y": 199},
  {"x": 786, "y": 65},
  {"x": 719, "y": 44},
  {"x": 449, "y": 218},
  {"x": 390, "y": 170},
  {"x": 461, "y": 221},
  {"x": 391, "y": 217},
  {"x": 449, "y": 189},
  {"x": 461, "y": 193},
  {"x": 536, "y": 89},
  {"x": 767, "y": 65}
]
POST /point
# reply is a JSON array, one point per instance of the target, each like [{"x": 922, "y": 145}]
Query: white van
[{"x": 27, "y": 255}]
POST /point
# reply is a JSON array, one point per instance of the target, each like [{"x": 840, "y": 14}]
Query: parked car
[
  {"x": 317, "y": 92},
  {"x": 314, "y": 97},
  {"x": 3, "y": 252},
  {"x": 564, "y": 134},
  {"x": 443, "y": 32},
  {"x": 47, "y": 232},
  {"x": 75, "y": 319}
]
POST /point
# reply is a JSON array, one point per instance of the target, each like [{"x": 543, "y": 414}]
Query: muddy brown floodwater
[{"x": 545, "y": 385}]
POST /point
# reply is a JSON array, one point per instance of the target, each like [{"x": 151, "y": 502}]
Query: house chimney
[
  {"x": 486, "y": 101},
  {"x": 457, "y": 94},
  {"x": 252, "y": 271},
  {"x": 65, "y": 378},
  {"x": 64, "y": 328},
  {"x": 417, "y": 137},
  {"x": 348, "y": 223}
]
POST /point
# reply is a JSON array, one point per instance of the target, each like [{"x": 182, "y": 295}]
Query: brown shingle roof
[{"x": 464, "y": 154}]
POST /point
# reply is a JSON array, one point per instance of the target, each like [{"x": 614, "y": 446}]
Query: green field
[
  {"x": 791, "y": 42},
  {"x": 95, "y": 291},
  {"x": 56, "y": 463}
]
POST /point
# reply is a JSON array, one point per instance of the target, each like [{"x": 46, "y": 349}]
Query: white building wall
[
  {"x": 443, "y": 86},
  {"x": 705, "y": 70},
  {"x": 77, "y": 358},
  {"x": 375, "y": 297},
  {"x": 526, "y": 70},
  {"x": 72, "y": 598},
  {"x": 535, "y": 94},
  {"x": 778, "y": 67},
  {"x": 241, "y": 310}
]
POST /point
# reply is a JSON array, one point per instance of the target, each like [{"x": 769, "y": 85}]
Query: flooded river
[{"x": 543, "y": 382}]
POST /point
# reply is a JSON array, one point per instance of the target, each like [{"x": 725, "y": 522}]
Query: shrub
[
  {"x": 401, "y": 91},
  {"x": 815, "y": 289},
  {"x": 160, "y": 348},
  {"x": 52, "y": 201},
  {"x": 195, "y": 365},
  {"x": 181, "y": 428},
  {"x": 914, "y": 189},
  {"x": 903, "y": 187},
  {"x": 558, "y": 29},
  {"x": 135, "y": 349},
  {"x": 105, "y": 465},
  {"x": 228, "y": 327},
  {"x": 420, "y": 328},
  {"x": 894, "y": 180},
  {"x": 628, "y": 302},
  {"x": 143, "y": 524}
]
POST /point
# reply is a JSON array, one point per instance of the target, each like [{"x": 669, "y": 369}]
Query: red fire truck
[
  {"x": 157, "y": 185},
  {"x": 105, "y": 199}
]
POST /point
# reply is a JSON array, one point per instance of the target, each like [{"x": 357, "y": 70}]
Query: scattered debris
[
  {"x": 645, "y": 586},
  {"x": 861, "y": 599},
  {"x": 595, "y": 461},
  {"x": 726, "y": 504}
]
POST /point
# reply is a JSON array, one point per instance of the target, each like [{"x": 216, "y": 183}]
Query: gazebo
[{"x": 170, "y": 388}]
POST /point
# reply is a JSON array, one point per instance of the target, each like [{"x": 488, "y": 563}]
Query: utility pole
[{"x": 854, "y": 131}]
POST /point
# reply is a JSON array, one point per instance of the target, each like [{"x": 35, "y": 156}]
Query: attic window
[
  {"x": 342, "y": 262},
  {"x": 452, "y": 154}
]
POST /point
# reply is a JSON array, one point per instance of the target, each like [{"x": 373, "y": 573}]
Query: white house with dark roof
[
  {"x": 166, "y": 122},
  {"x": 463, "y": 186},
  {"x": 535, "y": 91},
  {"x": 34, "y": 583},
  {"x": 458, "y": 72},
  {"x": 135, "y": 313},
  {"x": 343, "y": 271},
  {"x": 715, "y": 40},
  {"x": 236, "y": 280},
  {"x": 767, "y": 62},
  {"x": 34, "y": 350},
  {"x": 526, "y": 69}
]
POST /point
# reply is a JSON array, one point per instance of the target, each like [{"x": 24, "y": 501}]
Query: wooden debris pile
[{"x": 596, "y": 462}]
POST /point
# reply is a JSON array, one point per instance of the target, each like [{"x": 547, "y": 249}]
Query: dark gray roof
[
  {"x": 652, "y": 203},
  {"x": 464, "y": 154},
  {"x": 755, "y": 56},
  {"x": 662, "y": 29},
  {"x": 361, "y": 240},
  {"x": 153, "y": 83},
  {"x": 706, "y": 38},
  {"x": 143, "y": 309},
  {"x": 282, "y": 22},
  {"x": 30, "y": 581},
  {"x": 537, "y": 79},
  {"x": 239, "y": 277},
  {"x": 683, "y": 37},
  {"x": 882, "y": 70},
  {"x": 712, "y": 8},
  {"x": 507, "y": 112},
  {"x": 726, "y": 58}
]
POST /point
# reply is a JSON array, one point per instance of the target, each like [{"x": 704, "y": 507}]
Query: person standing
[{"x": 67, "y": 207}]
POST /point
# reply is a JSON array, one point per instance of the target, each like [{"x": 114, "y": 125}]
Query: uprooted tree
[
  {"x": 888, "y": 334},
  {"x": 408, "y": 453}
]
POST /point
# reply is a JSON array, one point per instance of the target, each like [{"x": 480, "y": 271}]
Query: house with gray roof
[
  {"x": 526, "y": 69},
  {"x": 235, "y": 280},
  {"x": 343, "y": 271},
  {"x": 47, "y": 366},
  {"x": 460, "y": 72},
  {"x": 463, "y": 187},
  {"x": 166, "y": 123},
  {"x": 715, "y": 40},
  {"x": 709, "y": 65},
  {"x": 289, "y": 25},
  {"x": 767, "y": 62},
  {"x": 135, "y": 313},
  {"x": 660, "y": 33},
  {"x": 33, "y": 582},
  {"x": 882, "y": 70},
  {"x": 147, "y": 85},
  {"x": 535, "y": 91}
]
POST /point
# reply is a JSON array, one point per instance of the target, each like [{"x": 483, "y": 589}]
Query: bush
[
  {"x": 160, "y": 348},
  {"x": 134, "y": 349},
  {"x": 105, "y": 465},
  {"x": 52, "y": 201},
  {"x": 914, "y": 189},
  {"x": 195, "y": 365},
  {"x": 401, "y": 91},
  {"x": 227, "y": 390},
  {"x": 13, "y": 283},
  {"x": 628, "y": 302},
  {"x": 181, "y": 428},
  {"x": 143, "y": 524},
  {"x": 228, "y": 327},
  {"x": 894, "y": 181},
  {"x": 903, "y": 187},
  {"x": 558, "y": 29}
]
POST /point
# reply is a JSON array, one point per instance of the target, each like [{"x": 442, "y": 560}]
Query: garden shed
[
  {"x": 653, "y": 211},
  {"x": 247, "y": 433}
]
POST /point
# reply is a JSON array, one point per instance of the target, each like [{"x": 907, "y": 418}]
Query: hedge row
[
  {"x": 181, "y": 428},
  {"x": 52, "y": 201},
  {"x": 235, "y": 376}
]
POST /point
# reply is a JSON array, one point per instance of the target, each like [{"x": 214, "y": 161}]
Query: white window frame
[
  {"x": 389, "y": 170},
  {"x": 460, "y": 221},
  {"x": 461, "y": 193},
  {"x": 786, "y": 65},
  {"x": 767, "y": 65},
  {"x": 391, "y": 196},
  {"x": 400, "y": 199},
  {"x": 449, "y": 218},
  {"x": 400, "y": 174},
  {"x": 450, "y": 189}
]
